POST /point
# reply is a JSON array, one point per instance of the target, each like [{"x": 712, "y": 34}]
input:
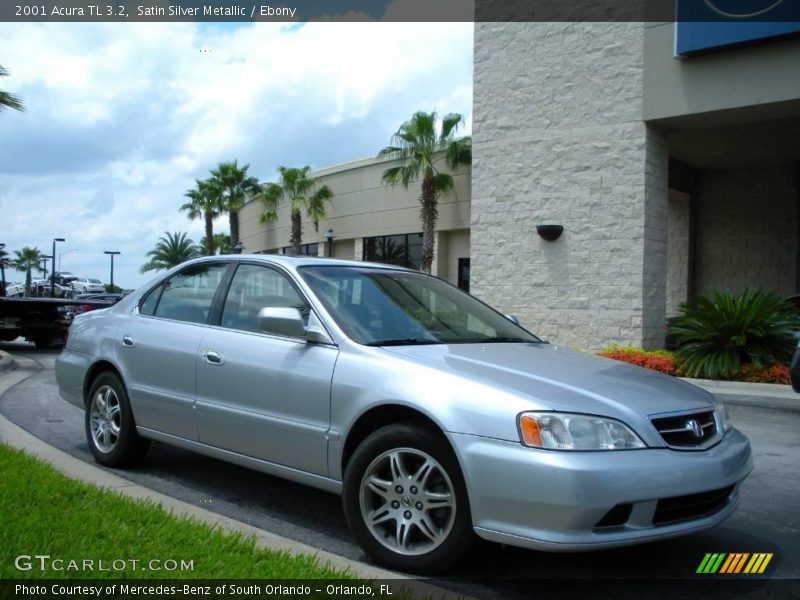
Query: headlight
[
  {"x": 564, "y": 431},
  {"x": 724, "y": 416}
]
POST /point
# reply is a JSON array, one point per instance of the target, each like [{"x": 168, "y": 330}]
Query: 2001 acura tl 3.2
[{"x": 433, "y": 415}]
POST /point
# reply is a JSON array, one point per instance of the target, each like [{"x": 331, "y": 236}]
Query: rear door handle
[
  {"x": 213, "y": 357},
  {"x": 128, "y": 341}
]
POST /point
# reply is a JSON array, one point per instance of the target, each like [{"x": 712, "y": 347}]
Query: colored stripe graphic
[{"x": 733, "y": 563}]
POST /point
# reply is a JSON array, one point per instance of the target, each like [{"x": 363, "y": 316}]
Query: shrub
[{"x": 720, "y": 334}]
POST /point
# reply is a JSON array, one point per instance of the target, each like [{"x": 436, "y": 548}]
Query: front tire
[
  {"x": 110, "y": 428},
  {"x": 405, "y": 500}
]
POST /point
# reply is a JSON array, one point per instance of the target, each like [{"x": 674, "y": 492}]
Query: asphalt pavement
[{"x": 768, "y": 519}]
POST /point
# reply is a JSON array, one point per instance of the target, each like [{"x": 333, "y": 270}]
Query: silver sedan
[{"x": 434, "y": 416}]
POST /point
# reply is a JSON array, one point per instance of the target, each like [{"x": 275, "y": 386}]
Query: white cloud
[{"x": 122, "y": 118}]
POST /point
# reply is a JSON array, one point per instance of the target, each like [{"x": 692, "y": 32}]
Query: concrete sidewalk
[{"x": 75, "y": 468}]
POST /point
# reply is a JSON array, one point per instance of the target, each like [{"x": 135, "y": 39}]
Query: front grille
[
  {"x": 693, "y": 506},
  {"x": 688, "y": 431}
]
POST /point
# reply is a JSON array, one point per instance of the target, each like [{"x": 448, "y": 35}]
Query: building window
[
  {"x": 305, "y": 249},
  {"x": 404, "y": 250}
]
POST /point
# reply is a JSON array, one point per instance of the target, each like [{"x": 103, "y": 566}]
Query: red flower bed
[
  {"x": 648, "y": 360},
  {"x": 666, "y": 363}
]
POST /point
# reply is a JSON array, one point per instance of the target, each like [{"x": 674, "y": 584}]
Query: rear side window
[
  {"x": 187, "y": 295},
  {"x": 254, "y": 287}
]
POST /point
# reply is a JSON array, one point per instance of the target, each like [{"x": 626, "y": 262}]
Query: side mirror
[
  {"x": 513, "y": 319},
  {"x": 282, "y": 321},
  {"x": 289, "y": 322}
]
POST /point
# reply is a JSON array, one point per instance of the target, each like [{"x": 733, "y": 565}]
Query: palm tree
[
  {"x": 8, "y": 100},
  {"x": 206, "y": 203},
  {"x": 419, "y": 148},
  {"x": 222, "y": 243},
  {"x": 302, "y": 193},
  {"x": 27, "y": 260},
  {"x": 234, "y": 186},
  {"x": 172, "y": 249}
]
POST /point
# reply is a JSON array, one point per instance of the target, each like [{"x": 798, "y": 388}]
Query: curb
[
  {"x": 74, "y": 468},
  {"x": 740, "y": 388},
  {"x": 7, "y": 362}
]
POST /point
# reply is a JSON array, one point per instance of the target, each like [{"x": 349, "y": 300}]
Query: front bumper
[{"x": 550, "y": 500}]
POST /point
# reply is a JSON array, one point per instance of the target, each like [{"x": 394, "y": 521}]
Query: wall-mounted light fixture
[{"x": 549, "y": 232}]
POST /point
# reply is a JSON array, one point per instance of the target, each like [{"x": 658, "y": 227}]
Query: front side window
[
  {"x": 255, "y": 287},
  {"x": 187, "y": 295},
  {"x": 391, "y": 307}
]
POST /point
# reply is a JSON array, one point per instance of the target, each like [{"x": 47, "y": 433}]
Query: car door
[
  {"x": 158, "y": 349},
  {"x": 260, "y": 395}
]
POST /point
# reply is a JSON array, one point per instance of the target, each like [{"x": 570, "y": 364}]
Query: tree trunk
[
  {"x": 233, "y": 219},
  {"x": 297, "y": 233},
  {"x": 209, "y": 233},
  {"x": 428, "y": 214},
  {"x": 28, "y": 282}
]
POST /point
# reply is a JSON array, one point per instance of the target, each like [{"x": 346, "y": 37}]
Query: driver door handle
[
  {"x": 213, "y": 357},
  {"x": 128, "y": 341}
]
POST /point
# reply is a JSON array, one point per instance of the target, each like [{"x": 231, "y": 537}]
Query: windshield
[
  {"x": 381, "y": 307},
  {"x": 94, "y": 281}
]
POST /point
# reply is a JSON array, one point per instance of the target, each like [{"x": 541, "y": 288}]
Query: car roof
[{"x": 303, "y": 261}]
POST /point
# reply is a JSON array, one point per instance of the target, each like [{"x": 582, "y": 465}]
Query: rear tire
[
  {"x": 110, "y": 428},
  {"x": 405, "y": 500}
]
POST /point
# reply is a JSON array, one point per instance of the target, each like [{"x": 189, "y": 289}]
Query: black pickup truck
[{"x": 43, "y": 321}]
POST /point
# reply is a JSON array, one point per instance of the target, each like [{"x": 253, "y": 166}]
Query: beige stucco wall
[{"x": 362, "y": 206}]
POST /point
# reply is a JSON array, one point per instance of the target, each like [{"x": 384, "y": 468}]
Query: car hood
[{"x": 555, "y": 378}]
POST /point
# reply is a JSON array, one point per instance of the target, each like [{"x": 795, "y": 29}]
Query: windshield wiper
[
  {"x": 404, "y": 342},
  {"x": 503, "y": 340}
]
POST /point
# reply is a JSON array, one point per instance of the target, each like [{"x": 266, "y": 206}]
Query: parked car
[
  {"x": 14, "y": 288},
  {"x": 88, "y": 285},
  {"x": 64, "y": 278},
  {"x": 435, "y": 417}
]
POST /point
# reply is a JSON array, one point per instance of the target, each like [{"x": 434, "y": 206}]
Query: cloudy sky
[{"x": 122, "y": 118}]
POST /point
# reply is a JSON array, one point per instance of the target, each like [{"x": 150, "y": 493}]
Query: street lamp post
[
  {"x": 53, "y": 279},
  {"x": 112, "y": 253},
  {"x": 2, "y": 273}
]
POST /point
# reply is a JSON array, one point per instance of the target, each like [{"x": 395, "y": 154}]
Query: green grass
[{"x": 44, "y": 512}]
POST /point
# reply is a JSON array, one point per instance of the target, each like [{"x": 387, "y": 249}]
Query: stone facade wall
[
  {"x": 559, "y": 138},
  {"x": 747, "y": 230},
  {"x": 677, "y": 251}
]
